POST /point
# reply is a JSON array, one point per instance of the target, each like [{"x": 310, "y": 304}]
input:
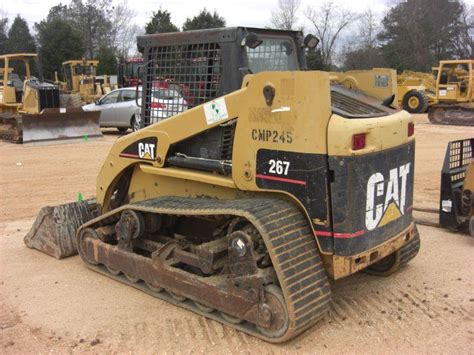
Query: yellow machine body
[
  {"x": 455, "y": 81},
  {"x": 380, "y": 83},
  {"x": 411, "y": 90},
  {"x": 81, "y": 77},
  {"x": 9, "y": 102},
  {"x": 454, "y": 95},
  {"x": 240, "y": 205},
  {"x": 308, "y": 121}
]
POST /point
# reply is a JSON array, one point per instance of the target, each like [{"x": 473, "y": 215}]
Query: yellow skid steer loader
[{"x": 240, "y": 207}]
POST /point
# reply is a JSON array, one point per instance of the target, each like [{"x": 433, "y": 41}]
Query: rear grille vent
[
  {"x": 48, "y": 97},
  {"x": 349, "y": 106}
]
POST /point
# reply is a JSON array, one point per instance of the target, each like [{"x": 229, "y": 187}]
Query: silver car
[
  {"x": 118, "y": 109},
  {"x": 164, "y": 103}
]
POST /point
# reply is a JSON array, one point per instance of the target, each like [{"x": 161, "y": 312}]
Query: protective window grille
[
  {"x": 274, "y": 54},
  {"x": 460, "y": 156},
  {"x": 180, "y": 77}
]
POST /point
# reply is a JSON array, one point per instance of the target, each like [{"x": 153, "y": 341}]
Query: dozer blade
[
  {"x": 55, "y": 123},
  {"x": 54, "y": 230}
]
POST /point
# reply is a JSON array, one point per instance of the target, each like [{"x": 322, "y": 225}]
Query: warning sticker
[{"x": 215, "y": 111}]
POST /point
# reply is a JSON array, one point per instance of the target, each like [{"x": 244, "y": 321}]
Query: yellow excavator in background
[{"x": 30, "y": 108}]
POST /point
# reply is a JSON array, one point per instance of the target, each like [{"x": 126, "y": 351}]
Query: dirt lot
[{"x": 60, "y": 306}]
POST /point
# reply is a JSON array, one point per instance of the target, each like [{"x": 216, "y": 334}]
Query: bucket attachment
[
  {"x": 60, "y": 123},
  {"x": 54, "y": 230}
]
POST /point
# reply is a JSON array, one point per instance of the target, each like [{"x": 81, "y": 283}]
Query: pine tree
[
  {"x": 19, "y": 38},
  {"x": 160, "y": 22},
  {"x": 204, "y": 20},
  {"x": 58, "y": 42}
]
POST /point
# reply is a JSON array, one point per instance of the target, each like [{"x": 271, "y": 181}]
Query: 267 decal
[{"x": 279, "y": 167}]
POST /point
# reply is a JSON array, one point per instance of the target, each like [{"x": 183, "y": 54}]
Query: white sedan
[{"x": 118, "y": 109}]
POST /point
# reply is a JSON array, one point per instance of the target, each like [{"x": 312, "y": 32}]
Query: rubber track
[
  {"x": 289, "y": 241},
  {"x": 410, "y": 250},
  {"x": 465, "y": 117}
]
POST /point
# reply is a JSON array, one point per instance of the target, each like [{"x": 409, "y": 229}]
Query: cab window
[
  {"x": 110, "y": 98},
  {"x": 127, "y": 95},
  {"x": 275, "y": 54}
]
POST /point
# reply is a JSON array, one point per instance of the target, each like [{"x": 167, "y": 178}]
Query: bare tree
[
  {"x": 127, "y": 42},
  {"x": 285, "y": 17},
  {"x": 465, "y": 43},
  {"x": 368, "y": 29},
  {"x": 329, "y": 21},
  {"x": 361, "y": 50},
  {"x": 123, "y": 32}
]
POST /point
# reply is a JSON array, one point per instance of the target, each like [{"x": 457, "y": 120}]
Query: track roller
[{"x": 251, "y": 264}]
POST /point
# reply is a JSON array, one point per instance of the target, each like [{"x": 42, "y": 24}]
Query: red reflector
[
  {"x": 157, "y": 105},
  {"x": 411, "y": 129},
  {"x": 358, "y": 141}
]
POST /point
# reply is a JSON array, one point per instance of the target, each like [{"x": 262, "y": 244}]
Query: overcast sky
[{"x": 255, "y": 13}]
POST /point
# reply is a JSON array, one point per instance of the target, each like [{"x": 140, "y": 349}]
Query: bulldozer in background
[
  {"x": 454, "y": 94},
  {"x": 81, "y": 83},
  {"x": 30, "y": 109},
  {"x": 241, "y": 207}
]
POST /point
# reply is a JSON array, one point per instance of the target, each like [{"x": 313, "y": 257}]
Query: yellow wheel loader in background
[
  {"x": 241, "y": 207},
  {"x": 30, "y": 108},
  {"x": 409, "y": 91},
  {"x": 415, "y": 92},
  {"x": 448, "y": 98}
]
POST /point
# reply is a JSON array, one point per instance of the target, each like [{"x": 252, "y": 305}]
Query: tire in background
[
  {"x": 415, "y": 101},
  {"x": 135, "y": 124}
]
